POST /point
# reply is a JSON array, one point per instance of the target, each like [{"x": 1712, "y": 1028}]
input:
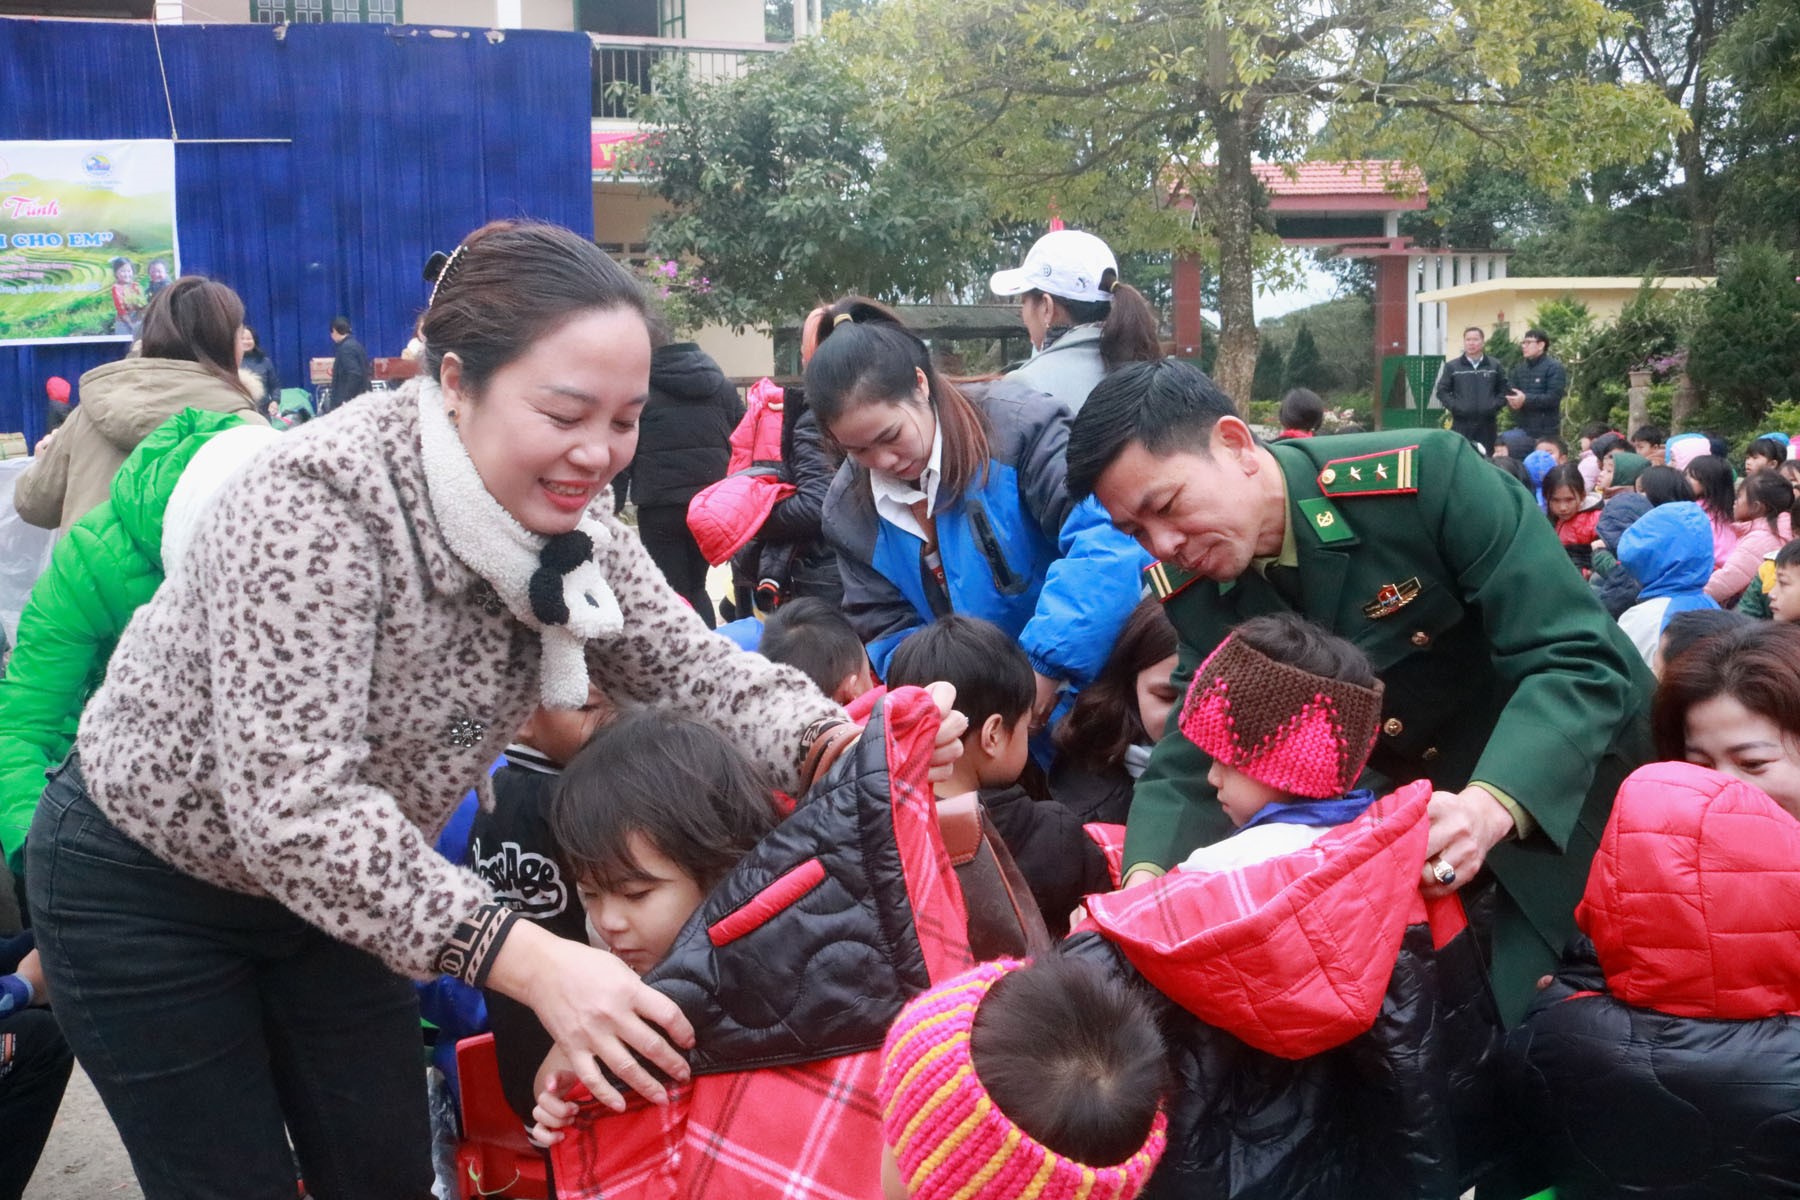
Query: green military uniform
[{"x": 1500, "y": 667}]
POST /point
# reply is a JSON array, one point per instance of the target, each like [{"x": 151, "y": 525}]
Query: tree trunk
[
  {"x": 1690, "y": 146},
  {"x": 1683, "y": 404},
  {"x": 1234, "y": 199}
]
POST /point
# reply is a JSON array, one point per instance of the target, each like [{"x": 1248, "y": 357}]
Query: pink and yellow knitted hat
[
  {"x": 1306, "y": 734},
  {"x": 950, "y": 1138}
]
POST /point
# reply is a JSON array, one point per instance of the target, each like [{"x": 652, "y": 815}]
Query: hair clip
[
  {"x": 840, "y": 319},
  {"x": 438, "y": 270}
]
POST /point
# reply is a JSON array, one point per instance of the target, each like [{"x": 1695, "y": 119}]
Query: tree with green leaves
[
  {"x": 1746, "y": 348},
  {"x": 1144, "y": 123},
  {"x": 786, "y": 188},
  {"x": 1305, "y": 367}
]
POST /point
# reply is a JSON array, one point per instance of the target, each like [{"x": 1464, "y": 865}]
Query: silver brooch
[{"x": 465, "y": 732}]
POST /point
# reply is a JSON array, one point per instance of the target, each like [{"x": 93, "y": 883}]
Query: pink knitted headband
[
  {"x": 949, "y": 1137},
  {"x": 1303, "y": 733}
]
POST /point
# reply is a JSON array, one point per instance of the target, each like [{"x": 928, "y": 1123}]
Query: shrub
[{"x": 1746, "y": 349}]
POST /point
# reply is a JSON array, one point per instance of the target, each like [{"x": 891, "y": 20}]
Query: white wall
[
  {"x": 751, "y": 353},
  {"x": 725, "y": 20}
]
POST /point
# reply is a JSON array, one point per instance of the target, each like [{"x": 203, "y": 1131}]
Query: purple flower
[{"x": 671, "y": 268}]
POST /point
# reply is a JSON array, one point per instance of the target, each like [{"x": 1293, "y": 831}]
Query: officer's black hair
[
  {"x": 340, "y": 325},
  {"x": 1167, "y": 405},
  {"x": 815, "y": 637},
  {"x": 1536, "y": 334},
  {"x": 1653, "y": 435},
  {"x": 991, "y": 674}
]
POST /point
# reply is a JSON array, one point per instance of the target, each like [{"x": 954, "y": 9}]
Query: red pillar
[
  {"x": 1390, "y": 317},
  {"x": 1184, "y": 280}
]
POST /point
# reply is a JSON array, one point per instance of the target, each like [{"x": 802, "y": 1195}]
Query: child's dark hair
[
  {"x": 1718, "y": 493},
  {"x": 1565, "y": 475},
  {"x": 1294, "y": 641},
  {"x": 1769, "y": 448},
  {"x": 1663, "y": 485},
  {"x": 1073, "y": 1057},
  {"x": 991, "y": 674},
  {"x": 670, "y": 778},
  {"x": 1788, "y": 555},
  {"x": 1104, "y": 720},
  {"x": 1653, "y": 435},
  {"x": 1696, "y": 624},
  {"x": 1513, "y": 467},
  {"x": 1301, "y": 408},
  {"x": 1552, "y": 439},
  {"x": 815, "y": 637},
  {"x": 1771, "y": 492}
]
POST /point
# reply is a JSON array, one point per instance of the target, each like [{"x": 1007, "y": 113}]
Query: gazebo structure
[{"x": 1353, "y": 208}]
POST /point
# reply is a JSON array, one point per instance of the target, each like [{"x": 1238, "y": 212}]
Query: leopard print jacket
[{"x": 298, "y": 712}]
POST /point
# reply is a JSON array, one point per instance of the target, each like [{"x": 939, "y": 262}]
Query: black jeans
[
  {"x": 665, "y": 534},
  {"x": 216, "y": 1025}
]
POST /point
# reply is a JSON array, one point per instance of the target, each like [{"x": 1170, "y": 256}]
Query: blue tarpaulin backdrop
[{"x": 402, "y": 139}]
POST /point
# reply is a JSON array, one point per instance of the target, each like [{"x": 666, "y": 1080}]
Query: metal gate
[{"x": 1407, "y": 383}]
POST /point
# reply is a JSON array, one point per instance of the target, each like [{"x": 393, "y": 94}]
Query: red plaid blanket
[{"x": 807, "y": 1131}]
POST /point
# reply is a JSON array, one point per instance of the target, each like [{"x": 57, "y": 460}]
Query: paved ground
[{"x": 83, "y": 1160}]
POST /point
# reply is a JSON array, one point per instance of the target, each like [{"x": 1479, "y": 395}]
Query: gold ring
[{"x": 1443, "y": 872}]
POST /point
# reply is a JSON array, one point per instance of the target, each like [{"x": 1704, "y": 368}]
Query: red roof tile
[{"x": 1367, "y": 177}]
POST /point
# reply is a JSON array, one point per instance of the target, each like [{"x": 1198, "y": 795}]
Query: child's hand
[{"x": 552, "y": 1114}]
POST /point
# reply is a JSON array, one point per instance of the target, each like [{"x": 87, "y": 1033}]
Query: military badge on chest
[{"x": 1391, "y": 599}]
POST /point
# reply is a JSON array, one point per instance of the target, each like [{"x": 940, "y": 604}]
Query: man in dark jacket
[
  {"x": 349, "y": 366},
  {"x": 1472, "y": 387},
  {"x": 684, "y": 444},
  {"x": 1538, "y": 385}
]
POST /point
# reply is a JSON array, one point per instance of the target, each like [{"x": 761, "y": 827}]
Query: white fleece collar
[{"x": 551, "y": 584}]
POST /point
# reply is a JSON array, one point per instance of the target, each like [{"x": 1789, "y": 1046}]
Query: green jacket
[
  {"x": 1501, "y": 668},
  {"x": 106, "y": 566}
]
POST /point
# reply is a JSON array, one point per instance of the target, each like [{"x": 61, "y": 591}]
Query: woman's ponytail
[{"x": 1131, "y": 330}]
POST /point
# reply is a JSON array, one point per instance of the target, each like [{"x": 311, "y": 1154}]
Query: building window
[{"x": 318, "y": 12}]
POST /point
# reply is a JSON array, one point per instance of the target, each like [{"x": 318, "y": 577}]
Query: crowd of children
[{"x": 1662, "y": 526}]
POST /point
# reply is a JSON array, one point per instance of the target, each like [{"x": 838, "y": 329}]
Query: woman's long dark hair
[
  {"x": 865, "y": 354},
  {"x": 196, "y": 319},
  {"x": 1129, "y": 329},
  {"x": 1104, "y": 721},
  {"x": 1718, "y": 494}
]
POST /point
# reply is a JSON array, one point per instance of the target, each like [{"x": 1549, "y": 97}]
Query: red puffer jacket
[{"x": 1665, "y": 1059}]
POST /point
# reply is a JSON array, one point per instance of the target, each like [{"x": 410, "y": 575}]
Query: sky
[{"x": 1315, "y": 288}]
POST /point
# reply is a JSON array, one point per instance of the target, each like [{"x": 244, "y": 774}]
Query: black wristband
[{"x": 472, "y": 948}]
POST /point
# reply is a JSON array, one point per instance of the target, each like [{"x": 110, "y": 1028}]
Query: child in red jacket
[{"x": 1575, "y": 512}]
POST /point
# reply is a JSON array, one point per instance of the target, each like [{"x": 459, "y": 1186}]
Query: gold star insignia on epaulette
[{"x": 1384, "y": 473}]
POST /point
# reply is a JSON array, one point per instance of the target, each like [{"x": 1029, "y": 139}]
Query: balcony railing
[{"x": 624, "y": 65}]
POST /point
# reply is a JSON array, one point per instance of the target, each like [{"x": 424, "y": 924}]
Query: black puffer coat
[{"x": 684, "y": 434}]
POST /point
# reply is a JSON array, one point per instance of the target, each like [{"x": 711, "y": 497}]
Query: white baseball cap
[{"x": 1066, "y": 263}]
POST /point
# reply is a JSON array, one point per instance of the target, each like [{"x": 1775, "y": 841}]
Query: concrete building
[{"x": 1488, "y": 302}]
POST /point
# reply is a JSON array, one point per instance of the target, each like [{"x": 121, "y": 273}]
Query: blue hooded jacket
[
  {"x": 1016, "y": 551},
  {"x": 1669, "y": 550}
]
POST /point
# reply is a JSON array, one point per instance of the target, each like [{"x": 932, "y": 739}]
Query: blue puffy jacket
[{"x": 1016, "y": 551}]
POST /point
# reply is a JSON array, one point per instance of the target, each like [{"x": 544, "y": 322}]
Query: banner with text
[{"x": 87, "y": 237}]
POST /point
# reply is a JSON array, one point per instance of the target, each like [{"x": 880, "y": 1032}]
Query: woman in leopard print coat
[{"x": 233, "y": 873}]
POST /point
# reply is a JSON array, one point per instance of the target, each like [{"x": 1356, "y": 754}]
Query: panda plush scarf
[{"x": 551, "y": 584}]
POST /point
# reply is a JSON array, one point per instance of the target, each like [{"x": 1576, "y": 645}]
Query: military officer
[{"x": 1507, "y": 685}]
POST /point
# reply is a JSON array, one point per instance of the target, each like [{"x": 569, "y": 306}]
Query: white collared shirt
[{"x": 895, "y": 497}]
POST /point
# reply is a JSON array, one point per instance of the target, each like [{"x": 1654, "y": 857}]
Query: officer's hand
[{"x": 1465, "y": 825}]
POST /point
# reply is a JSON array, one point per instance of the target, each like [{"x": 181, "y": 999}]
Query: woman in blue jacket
[{"x": 953, "y": 500}]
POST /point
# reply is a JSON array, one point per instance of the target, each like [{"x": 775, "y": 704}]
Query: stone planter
[{"x": 1637, "y": 400}]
